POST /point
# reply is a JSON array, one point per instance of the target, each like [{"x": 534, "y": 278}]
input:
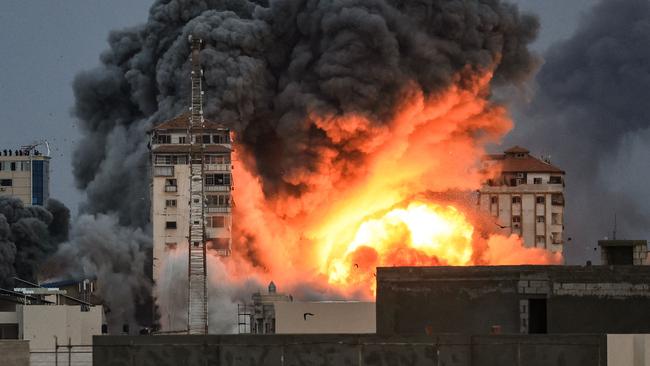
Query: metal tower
[{"x": 197, "y": 318}]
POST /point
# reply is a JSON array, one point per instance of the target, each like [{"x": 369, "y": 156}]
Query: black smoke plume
[
  {"x": 590, "y": 113},
  {"x": 28, "y": 236},
  {"x": 268, "y": 66}
]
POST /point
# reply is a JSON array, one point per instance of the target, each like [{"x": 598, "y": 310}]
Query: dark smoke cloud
[
  {"x": 591, "y": 114},
  {"x": 28, "y": 236},
  {"x": 269, "y": 65}
]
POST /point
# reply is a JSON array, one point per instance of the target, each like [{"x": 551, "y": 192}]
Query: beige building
[
  {"x": 526, "y": 198},
  {"x": 170, "y": 190},
  {"x": 25, "y": 174}
]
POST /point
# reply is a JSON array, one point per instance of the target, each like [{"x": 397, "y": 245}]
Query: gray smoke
[
  {"x": 590, "y": 114},
  {"x": 28, "y": 236},
  {"x": 115, "y": 255},
  {"x": 267, "y": 66}
]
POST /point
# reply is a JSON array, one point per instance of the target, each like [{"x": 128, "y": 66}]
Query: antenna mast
[{"x": 197, "y": 319}]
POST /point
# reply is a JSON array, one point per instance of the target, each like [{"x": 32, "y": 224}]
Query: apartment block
[{"x": 25, "y": 174}]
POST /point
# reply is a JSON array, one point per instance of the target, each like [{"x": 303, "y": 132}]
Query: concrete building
[
  {"x": 278, "y": 313},
  {"x": 25, "y": 174},
  {"x": 513, "y": 299},
  {"x": 624, "y": 252},
  {"x": 526, "y": 198},
  {"x": 170, "y": 188}
]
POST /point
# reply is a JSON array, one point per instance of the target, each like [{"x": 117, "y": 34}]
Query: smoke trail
[
  {"x": 28, "y": 236},
  {"x": 279, "y": 73},
  {"x": 590, "y": 114}
]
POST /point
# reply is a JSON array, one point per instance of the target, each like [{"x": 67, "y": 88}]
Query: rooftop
[
  {"x": 181, "y": 122},
  {"x": 518, "y": 159}
]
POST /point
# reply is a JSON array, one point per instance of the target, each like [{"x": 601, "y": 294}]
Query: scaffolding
[{"x": 198, "y": 300}]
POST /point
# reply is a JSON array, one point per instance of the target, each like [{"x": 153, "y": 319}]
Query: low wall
[
  {"x": 14, "y": 353},
  {"x": 351, "y": 350}
]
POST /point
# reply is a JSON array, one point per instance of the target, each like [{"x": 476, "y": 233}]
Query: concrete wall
[
  {"x": 470, "y": 300},
  {"x": 14, "y": 353},
  {"x": 40, "y": 324},
  {"x": 350, "y": 350},
  {"x": 628, "y": 349},
  {"x": 328, "y": 317}
]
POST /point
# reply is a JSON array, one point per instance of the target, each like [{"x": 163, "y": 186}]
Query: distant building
[
  {"x": 277, "y": 313},
  {"x": 170, "y": 201},
  {"x": 25, "y": 174},
  {"x": 513, "y": 299},
  {"x": 526, "y": 198},
  {"x": 623, "y": 252}
]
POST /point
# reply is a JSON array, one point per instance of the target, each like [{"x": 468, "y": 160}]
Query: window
[
  {"x": 540, "y": 199},
  {"x": 217, "y": 159},
  {"x": 541, "y": 219},
  {"x": 494, "y": 200},
  {"x": 2, "y": 166},
  {"x": 516, "y": 199},
  {"x": 170, "y": 185},
  {"x": 217, "y": 179},
  {"x": 537, "y": 180},
  {"x": 216, "y": 221},
  {"x": 557, "y": 199},
  {"x": 217, "y": 200},
  {"x": 540, "y": 240},
  {"x": 25, "y": 166},
  {"x": 170, "y": 159},
  {"x": 555, "y": 180},
  {"x": 181, "y": 139},
  {"x": 170, "y": 203},
  {"x": 13, "y": 166},
  {"x": 516, "y": 218},
  {"x": 163, "y": 139},
  {"x": 6, "y": 182},
  {"x": 556, "y": 218},
  {"x": 205, "y": 139},
  {"x": 221, "y": 139},
  {"x": 163, "y": 171},
  {"x": 170, "y": 225},
  {"x": 556, "y": 238}
]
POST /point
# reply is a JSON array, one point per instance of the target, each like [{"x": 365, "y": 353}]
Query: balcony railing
[
  {"x": 217, "y": 188},
  {"x": 219, "y": 209},
  {"x": 171, "y": 188},
  {"x": 217, "y": 167}
]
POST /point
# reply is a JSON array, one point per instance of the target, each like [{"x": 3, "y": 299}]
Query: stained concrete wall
[
  {"x": 470, "y": 300},
  {"x": 350, "y": 350},
  {"x": 338, "y": 317},
  {"x": 14, "y": 353}
]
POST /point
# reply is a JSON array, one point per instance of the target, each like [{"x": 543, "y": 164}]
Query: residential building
[
  {"x": 25, "y": 174},
  {"x": 623, "y": 252},
  {"x": 170, "y": 189},
  {"x": 525, "y": 197}
]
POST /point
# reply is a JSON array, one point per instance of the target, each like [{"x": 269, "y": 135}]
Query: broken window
[{"x": 170, "y": 225}]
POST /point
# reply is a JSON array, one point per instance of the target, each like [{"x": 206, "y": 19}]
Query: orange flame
[{"x": 372, "y": 210}]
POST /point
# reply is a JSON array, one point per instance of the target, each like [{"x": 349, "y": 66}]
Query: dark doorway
[
  {"x": 537, "y": 316},
  {"x": 620, "y": 255}
]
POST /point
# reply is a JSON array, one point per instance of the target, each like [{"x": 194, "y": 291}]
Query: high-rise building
[
  {"x": 526, "y": 198},
  {"x": 171, "y": 178},
  {"x": 25, "y": 174}
]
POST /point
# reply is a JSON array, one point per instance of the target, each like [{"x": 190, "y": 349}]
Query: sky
[{"x": 47, "y": 43}]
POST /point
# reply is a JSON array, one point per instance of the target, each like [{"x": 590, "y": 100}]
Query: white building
[
  {"x": 526, "y": 198},
  {"x": 170, "y": 190},
  {"x": 25, "y": 174}
]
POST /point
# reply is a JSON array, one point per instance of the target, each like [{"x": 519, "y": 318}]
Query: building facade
[
  {"x": 525, "y": 198},
  {"x": 170, "y": 188},
  {"x": 25, "y": 174}
]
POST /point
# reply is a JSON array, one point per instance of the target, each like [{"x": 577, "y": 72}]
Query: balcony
[
  {"x": 219, "y": 209},
  {"x": 217, "y": 167},
  {"x": 217, "y": 188},
  {"x": 171, "y": 188}
]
